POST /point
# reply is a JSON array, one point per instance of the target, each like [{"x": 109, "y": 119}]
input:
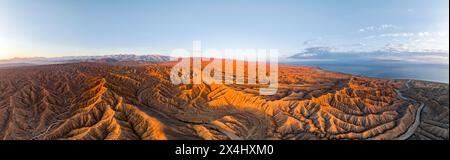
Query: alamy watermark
[{"x": 262, "y": 67}]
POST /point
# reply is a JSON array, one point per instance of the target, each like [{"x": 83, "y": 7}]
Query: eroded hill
[{"x": 138, "y": 101}]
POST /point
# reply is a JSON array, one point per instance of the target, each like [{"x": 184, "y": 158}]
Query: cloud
[
  {"x": 404, "y": 34},
  {"x": 308, "y": 42},
  {"x": 410, "y": 34},
  {"x": 420, "y": 46},
  {"x": 398, "y": 52},
  {"x": 413, "y": 41},
  {"x": 378, "y": 28},
  {"x": 386, "y": 35},
  {"x": 314, "y": 42}
]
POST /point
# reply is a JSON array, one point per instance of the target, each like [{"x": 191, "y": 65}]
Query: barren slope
[{"x": 138, "y": 101}]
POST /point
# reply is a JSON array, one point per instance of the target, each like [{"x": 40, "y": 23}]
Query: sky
[{"x": 53, "y": 28}]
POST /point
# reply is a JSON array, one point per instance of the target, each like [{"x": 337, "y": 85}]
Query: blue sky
[{"x": 96, "y": 27}]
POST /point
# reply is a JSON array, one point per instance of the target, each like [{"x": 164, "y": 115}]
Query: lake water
[{"x": 384, "y": 69}]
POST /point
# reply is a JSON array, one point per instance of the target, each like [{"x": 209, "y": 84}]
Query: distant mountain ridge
[
  {"x": 74, "y": 59},
  {"x": 329, "y": 53}
]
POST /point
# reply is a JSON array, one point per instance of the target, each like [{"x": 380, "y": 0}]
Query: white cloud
[
  {"x": 314, "y": 42},
  {"x": 378, "y": 28},
  {"x": 404, "y": 34},
  {"x": 424, "y": 34},
  {"x": 420, "y": 42},
  {"x": 400, "y": 34}
]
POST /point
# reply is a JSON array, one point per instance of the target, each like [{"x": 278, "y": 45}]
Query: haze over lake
[{"x": 383, "y": 69}]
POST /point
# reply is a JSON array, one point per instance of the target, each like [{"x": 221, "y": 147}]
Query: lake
[{"x": 383, "y": 69}]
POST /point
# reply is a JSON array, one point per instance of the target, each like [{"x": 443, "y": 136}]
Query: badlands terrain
[{"x": 136, "y": 100}]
